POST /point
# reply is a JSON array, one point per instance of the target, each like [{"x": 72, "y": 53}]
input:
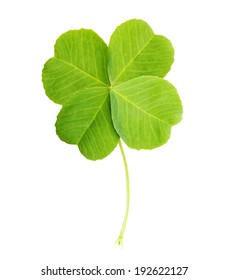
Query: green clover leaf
[
  {"x": 113, "y": 92},
  {"x": 77, "y": 79}
]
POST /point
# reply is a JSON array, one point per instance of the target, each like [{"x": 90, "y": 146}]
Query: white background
[{"x": 59, "y": 209}]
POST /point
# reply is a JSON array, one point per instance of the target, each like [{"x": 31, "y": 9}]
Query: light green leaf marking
[
  {"x": 134, "y": 50},
  {"x": 80, "y": 62},
  {"x": 143, "y": 111},
  {"x": 85, "y": 120}
]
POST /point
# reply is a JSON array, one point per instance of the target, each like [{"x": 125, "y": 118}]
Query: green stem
[{"x": 119, "y": 241}]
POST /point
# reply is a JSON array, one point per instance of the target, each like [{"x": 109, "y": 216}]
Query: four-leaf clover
[{"x": 112, "y": 92}]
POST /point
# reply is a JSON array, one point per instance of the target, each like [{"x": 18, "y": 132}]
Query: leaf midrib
[
  {"x": 82, "y": 71},
  {"x": 140, "y": 109},
  {"x": 98, "y": 111},
  {"x": 123, "y": 70}
]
